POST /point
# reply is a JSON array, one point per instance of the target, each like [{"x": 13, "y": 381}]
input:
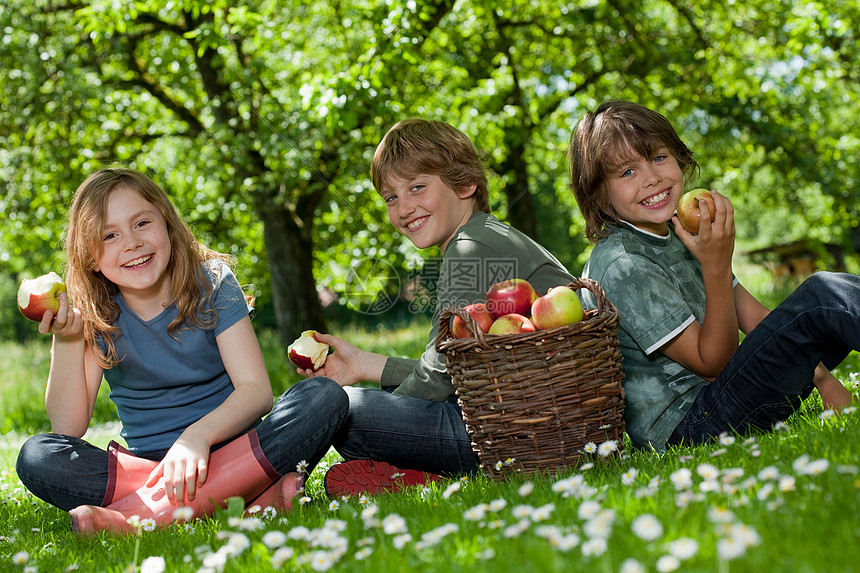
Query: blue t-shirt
[{"x": 165, "y": 383}]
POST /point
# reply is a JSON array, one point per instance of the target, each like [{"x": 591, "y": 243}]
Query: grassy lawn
[{"x": 787, "y": 501}]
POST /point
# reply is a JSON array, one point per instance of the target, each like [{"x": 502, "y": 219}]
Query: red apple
[
  {"x": 560, "y": 306},
  {"x": 512, "y": 296},
  {"x": 480, "y": 313},
  {"x": 39, "y": 295},
  {"x": 511, "y": 323},
  {"x": 688, "y": 208},
  {"x": 307, "y": 352}
]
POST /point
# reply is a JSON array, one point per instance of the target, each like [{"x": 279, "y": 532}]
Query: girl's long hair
[{"x": 191, "y": 289}]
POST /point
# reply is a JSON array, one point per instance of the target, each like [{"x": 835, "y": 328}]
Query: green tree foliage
[{"x": 261, "y": 119}]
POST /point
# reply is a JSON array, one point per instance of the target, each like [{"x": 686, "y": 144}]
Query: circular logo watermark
[{"x": 370, "y": 286}]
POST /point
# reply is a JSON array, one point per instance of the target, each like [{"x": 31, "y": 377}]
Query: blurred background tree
[{"x": 261, "y": 119}]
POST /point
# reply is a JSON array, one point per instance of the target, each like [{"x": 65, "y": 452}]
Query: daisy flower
[
  {"x": 667, "y": 563},
  {"x": 595, "y": 547},
  {"x": 154, "y": 564},
  {"x": 476, "y": 513},
  {"x": 281, "y": 556},
  {"x": 647, "y": 527},
  {"x": 393, "y": 524},
  {"x": 451, "y": 490},
  {"x": 631, "y": 565},
  {"x": 588, "y": 509},
  {"x": 607, "y": 448},
  {"x": 363, "y": 553},
  {"x": 497, "y": 504},
  {"x": 708, "y": 471},
  {"x": 684, "y": 548},
  {"x": 400, "y": 541},
  {"x": 628, "y": 477},
  {"x": 682, "y": 478},
  {"x": 274, "y": 539}
]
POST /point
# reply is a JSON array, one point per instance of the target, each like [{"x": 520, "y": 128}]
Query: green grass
[{"x": 801, "y": 520}]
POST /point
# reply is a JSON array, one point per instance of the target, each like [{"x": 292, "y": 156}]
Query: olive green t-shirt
[
  {"x": 483, "y": 252},
  {"x": 656, "y": 284}
]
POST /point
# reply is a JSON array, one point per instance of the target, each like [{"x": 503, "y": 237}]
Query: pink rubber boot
[
  {"x": 280, "y": 494},
  {"x": 237, "y": 469},
  {"x": 126, "y": 473}
]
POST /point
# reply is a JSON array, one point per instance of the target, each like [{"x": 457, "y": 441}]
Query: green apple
[
  {"x": 511, "y": 323},
  {"x": 688, "y": 208},
  {"x": 307, "y": 352},
  {"x": 560, "y": 306},
  {"x": 39, "y": 295}
]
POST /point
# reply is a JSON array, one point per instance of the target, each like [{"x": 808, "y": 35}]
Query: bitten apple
[
  {"x": 511, "y": 323},
  {"x": 560, "y": 306},
  {"x": 688, "y": 208},
  {"x": 39, "y": 295},
  {"x": 512, "y": 296},
  {"x": 307, "y": 352},
  {"x": 481, "y": 315}
]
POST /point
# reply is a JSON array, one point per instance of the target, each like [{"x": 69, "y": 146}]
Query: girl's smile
[{"x": 135, "y": 251}]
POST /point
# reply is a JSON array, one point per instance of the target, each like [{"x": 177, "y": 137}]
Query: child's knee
[{"x": 32, "y": 457}]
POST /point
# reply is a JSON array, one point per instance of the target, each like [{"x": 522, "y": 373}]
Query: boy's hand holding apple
[
  {"x": 714, "y": 244},
  {"x": 347, "y": 364}
]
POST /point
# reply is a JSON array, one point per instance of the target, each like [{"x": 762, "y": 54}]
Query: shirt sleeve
[
  {"x": 229, "y": 299},
  {"x": 651, "y": 309}
]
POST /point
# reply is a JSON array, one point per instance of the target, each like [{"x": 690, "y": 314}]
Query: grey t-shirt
[
  {"x": 656, "y": 284},
  {"x": 163, "y": 384},
  {"x": 483, "y": 252}
]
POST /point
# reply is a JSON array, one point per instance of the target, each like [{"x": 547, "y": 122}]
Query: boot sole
[{"x": 369, "y": 477}]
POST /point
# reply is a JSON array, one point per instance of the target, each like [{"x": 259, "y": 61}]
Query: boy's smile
[
  {"x": 645, "y": 191},
  {"x": 426, "y": 210}
]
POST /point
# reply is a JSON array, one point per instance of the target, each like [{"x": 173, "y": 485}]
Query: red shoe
[{"x": 370, "y": 477}]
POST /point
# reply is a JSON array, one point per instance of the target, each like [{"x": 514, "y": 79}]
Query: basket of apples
[{"x": 537, "y": 377}]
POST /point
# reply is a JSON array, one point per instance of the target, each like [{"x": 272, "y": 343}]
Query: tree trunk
[
  {"x": 521, "y": 208},
  {"x": 290, "y": 254}
]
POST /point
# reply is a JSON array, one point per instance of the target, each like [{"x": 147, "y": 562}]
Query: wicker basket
[{"x": 535, "y": 400}]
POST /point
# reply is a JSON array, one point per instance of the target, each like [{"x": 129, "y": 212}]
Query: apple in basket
[
  {"x": 560, "y": 306},
  {"x": 511, "y": 323},
  {"x": 307, "y": 352},
  {"x": 688, "y": 208},
  {"x": 481, "y": 315},
  {"x": 39, "y": 295},
  {"x": 512, "y": 296}
]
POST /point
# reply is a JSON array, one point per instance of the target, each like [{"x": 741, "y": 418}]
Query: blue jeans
[
  {"x": 771, "y": 372},
  {"x": 407, "y": 432},
  {"x": 67, "y": 472}
]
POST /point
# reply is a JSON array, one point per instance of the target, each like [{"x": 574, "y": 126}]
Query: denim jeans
[
  {"x": 771, "y": 372},
  {"x": 407, "y": 432},
  {"x": 67, "y": 472}
]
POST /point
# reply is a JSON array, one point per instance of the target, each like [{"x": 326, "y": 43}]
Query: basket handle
[{"x": 603, "y": 306}]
